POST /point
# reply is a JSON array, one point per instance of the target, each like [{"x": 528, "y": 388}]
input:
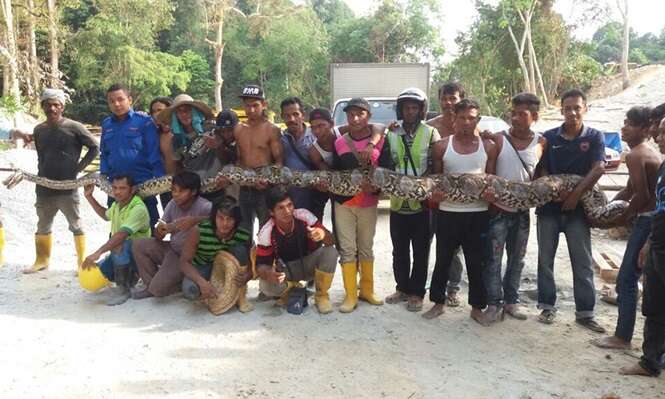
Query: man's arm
[
  {"x": 638, "y": 185},
  {"x": 316, "y": 159},
  {"x": 492, "y": 152},
  {"x": 597, "y": 154},
  {"x": 91, "y": 144},
  {"x": 276, "y": 148},
  {"x": 104, "y": 167},
  {"x": 541, "y": 167},
  {"x": 96, "y": 206},
  {"x": 438, "y": 149},
  {"x": 153, "y": 149},
  {"x": 185, "y": 223},
  {"x": 591, "y": 178},
  {"x": 115, "y": 241},
  {"x": 626, "y": 193},
  {"x": 187, "y": 267},
  {"x": 437, "y": 166}
]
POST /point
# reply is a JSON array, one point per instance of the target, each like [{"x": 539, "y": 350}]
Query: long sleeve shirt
[
  {"x": 59, "y": 152},
  {"x": 130, "y": 146}
]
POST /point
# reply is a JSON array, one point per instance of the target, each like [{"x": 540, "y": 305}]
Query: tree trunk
[
  {"x": 33, "y": 80},
  {"x": 10, "y": 53},
  {"x": 626, "y": 44},
  {"x": 533, "y": 57},
  {"x": 219, "y": 55},
  {"x": 519, "y": 48},
  {"x": 53, "y": 42}
]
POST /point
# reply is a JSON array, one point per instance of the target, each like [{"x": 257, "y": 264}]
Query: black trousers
[
  {"x": 407, "y": 232},
  {"x": 653, "y": 301},
  {"x": 468, "y": 230}
]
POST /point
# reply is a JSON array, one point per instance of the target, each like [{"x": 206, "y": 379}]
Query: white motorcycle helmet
[{"x": 412, "y": 94}]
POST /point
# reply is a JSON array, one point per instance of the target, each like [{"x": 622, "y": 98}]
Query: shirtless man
[
  {"x": 449, "y": 94},
  {"x": 643, "y": 163},
  {"x": 466, "y": 224},
  {"x": 258, "y": 143},
  {"x": 653, "y": 300}
]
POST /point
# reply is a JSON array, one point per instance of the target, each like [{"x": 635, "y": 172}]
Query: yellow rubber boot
[
  {"x": 43, "y": 244},
  {"x": 243, "y": 305},
  {"x": 2, "y": 245},
  {"x": 367, "y": 283},
  {"x": 323, "y": 282},
  {"x": 350, "y": 277},
  {"x": 79, "y": 243}
]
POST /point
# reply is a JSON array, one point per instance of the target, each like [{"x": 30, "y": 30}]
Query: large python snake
[{"x": 462, "y": 188}]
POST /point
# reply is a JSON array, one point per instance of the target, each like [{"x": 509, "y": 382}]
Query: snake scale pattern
[{"x": 457, "y": 187}]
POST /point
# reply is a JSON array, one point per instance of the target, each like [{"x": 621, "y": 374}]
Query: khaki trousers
[{"x": 355, "y": 228}]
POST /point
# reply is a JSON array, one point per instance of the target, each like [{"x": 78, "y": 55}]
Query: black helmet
[{"x": 412, "y": 94}]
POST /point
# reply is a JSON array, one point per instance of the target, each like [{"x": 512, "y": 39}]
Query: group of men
[{"x": 292, "y": 244}]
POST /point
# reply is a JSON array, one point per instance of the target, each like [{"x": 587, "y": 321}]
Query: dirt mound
[
  {"x": 608, "y": 86},
  {"x": 607, "y": 113}
]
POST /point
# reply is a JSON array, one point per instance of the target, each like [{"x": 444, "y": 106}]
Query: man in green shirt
[
  {"x": 221, "y": 232},
  {"x": 129, "y": 220}
]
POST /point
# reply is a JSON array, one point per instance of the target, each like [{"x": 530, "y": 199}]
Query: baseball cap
[
  {"x": 227, "y": 119},
  {"x": 320, "y": 113},
  {"x": 252, "y": 91},
  {"x": 357, "y": 102}
]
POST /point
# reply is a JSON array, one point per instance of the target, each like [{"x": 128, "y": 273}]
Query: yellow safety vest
[{"x": 420, "y": 154}]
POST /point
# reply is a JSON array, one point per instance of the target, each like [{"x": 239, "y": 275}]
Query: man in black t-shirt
[
  {"x": 58, "y": 142},
  {"x": 293, "y": 246}
]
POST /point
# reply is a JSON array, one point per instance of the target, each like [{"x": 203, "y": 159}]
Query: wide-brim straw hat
[
  {"x": 224, "y": 270},
  {"x": 164, "y": 116}
]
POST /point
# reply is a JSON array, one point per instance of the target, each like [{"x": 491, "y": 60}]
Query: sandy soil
[{"x": 60, "y": 342}]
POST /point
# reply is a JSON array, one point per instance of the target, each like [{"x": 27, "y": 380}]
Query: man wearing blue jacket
[{"x": 130, "y": 145}]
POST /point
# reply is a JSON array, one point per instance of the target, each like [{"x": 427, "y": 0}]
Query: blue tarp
[{"x": 613, "y": 141}]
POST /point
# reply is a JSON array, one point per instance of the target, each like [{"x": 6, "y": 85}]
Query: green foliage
[
  {"x": 645, "y": 49},
  {"x": 118, "y": 44},
  {"x": 291, "y": 60},
  {"x": 581, "y": 69},
  {"x": 201, "y": 83},
  {"x": 9, "y": 107},
  {"x": 396, "y": 32}
]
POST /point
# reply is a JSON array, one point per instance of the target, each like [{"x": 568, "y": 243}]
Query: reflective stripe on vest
[{"x": 419, "y": 153}]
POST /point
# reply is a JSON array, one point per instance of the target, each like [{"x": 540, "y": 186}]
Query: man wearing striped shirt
[{"x": 221, "y": 232}]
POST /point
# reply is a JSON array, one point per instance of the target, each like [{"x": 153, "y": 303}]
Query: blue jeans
[
  {"x": 122, "y": 258},
  {"x": 578, "y": 237},
  {"x": 509, "y": 230},
  {"x": 628, "y": 277}
]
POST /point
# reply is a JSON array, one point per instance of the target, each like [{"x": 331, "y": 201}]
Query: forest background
[{"x": 210, "y": 48}]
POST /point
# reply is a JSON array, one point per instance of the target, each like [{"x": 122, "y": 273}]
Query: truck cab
[{"x": 383, "y": 110}]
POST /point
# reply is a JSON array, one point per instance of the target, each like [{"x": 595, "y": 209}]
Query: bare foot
[
  {"x": 612, "y": 342},
  {"x": 478, "y": 316},
  {"x": 414, "y": 304},
  {"x": 635, "y": 369},
  {"x": 437, "y": 310},
  {"x": 492, "y": 314},
  {"x": 396, "y": 297},
  {"x": 452, "y": 299}
]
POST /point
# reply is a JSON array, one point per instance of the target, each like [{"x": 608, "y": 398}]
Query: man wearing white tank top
[
  {"x": 465, "y": 224},
  {"x": 519, "y": 151},
  {"x": 450, "y": 93}
]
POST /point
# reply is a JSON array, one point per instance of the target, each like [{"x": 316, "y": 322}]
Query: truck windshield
[{"x": 383, "y": 111}]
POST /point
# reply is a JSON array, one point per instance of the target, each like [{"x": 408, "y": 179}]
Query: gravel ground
[{"x": 61, "y": 342}]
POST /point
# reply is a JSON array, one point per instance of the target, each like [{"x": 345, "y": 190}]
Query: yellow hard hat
[{"x": 92, "y": 279}]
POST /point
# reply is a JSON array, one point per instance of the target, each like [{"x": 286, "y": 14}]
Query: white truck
[{"x": 377, "y": 83}]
